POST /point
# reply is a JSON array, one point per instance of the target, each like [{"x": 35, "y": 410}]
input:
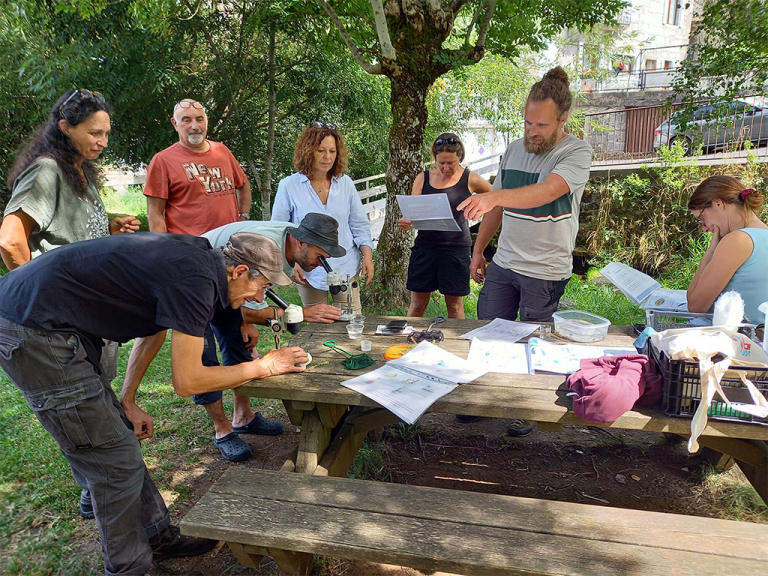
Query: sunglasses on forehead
[
  {"x": 85, "y": 94},
  {"x": 325, "y": 125},
  {"x": 447, "y": 142},
  {"x": 189, "y": 104}
]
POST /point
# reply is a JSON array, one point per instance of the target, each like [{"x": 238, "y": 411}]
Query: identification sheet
[
  {"x": 500, "y": 330},
  {"x": 566, "y": 358},
  {"x": 408, "y": 386},
  {"x": 504, "y": 357},
  {"x": 428, "y": 212}
]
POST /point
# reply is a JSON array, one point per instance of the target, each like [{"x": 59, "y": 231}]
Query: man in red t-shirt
[
  {"x": 196, "y": 184},
  {"x": 192, "y": 187}
]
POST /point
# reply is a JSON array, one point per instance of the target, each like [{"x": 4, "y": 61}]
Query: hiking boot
[
  {"x": 86, "y": 505},
  {"x": 171, "y": 544},
  {"x": 519, "y": 428}
]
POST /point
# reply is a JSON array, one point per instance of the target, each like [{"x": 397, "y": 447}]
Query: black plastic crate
[{"x": 681, "y": 386}]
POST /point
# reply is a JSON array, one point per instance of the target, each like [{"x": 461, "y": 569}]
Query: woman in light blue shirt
[
  {"x": 736, "y": 257},
  {"x": 320, "y": 185}
]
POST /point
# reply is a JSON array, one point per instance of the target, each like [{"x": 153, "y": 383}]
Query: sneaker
[
  {"x": 86, "y": 506},
  {"x": 519, "y": 428},
  {"x": 260, "y": 425},
  {"x": 171, "y": 544},
  {"x": 466, "y": 419}
]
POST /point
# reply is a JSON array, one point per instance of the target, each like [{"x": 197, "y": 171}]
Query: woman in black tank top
[{"x": 440, "y": 260}]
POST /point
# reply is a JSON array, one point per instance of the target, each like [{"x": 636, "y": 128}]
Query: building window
[
  {"x": 674, "y": 12},
  {"x": 668, "y": 65},
  {"x": 650, "y": 64}
]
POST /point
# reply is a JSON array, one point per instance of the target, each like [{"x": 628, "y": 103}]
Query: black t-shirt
[
  {"x": 118, "y": 288},
  {"x": 456, "y": 195}
]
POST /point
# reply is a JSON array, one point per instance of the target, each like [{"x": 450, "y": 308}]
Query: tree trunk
[
  {"x": 406, "y": 138},
  {"x": 266, "y": 187}
]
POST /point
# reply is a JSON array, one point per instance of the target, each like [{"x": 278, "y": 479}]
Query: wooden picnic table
[
  {"x": 290, "y": 517},
  {"x": 334, "y": 420}
]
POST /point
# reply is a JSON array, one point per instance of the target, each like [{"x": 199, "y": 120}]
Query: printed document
[
  {"x": 428, "y": 212},
  {"x": 409, "y": 385},
  {"x": 504, "y": 357},
  {"x": 566, "y": 358},
  {"x": 500, "y": 330},
  {"x": 643, "y": 290}
]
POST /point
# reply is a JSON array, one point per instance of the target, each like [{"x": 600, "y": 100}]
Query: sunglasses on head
[
  {"x": 85, "y": 94},
  {"x": 447, "y": 142},
  {"x": 326, "y": 125},
  {"x": 189, "y": 104}
]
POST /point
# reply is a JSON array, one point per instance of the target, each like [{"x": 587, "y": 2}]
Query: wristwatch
[{"x": 245, "y": 215}]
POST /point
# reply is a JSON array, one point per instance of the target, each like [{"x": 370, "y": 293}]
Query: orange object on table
[{"x": 394, "y": 352}]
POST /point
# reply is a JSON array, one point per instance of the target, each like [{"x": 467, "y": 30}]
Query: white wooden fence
[
  {"x": 372, "y": 190},
  {"x": 374, "y": 197}
]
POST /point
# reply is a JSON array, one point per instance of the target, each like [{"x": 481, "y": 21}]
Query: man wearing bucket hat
[
  {"x": 55, "y": 312},
  {"x": 300, "y": 247}
]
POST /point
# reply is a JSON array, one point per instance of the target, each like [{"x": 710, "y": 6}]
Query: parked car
[{"x": 715, "y": 125}]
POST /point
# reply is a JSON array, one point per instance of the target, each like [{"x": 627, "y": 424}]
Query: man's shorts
[{"x": 443, "y": 268}]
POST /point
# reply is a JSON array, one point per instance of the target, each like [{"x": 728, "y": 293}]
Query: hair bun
[{"x": 557, "y": 73}]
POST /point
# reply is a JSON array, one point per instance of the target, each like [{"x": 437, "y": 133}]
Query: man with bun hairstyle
[
  {"x": 55, "y": 313},
  {"x": 535, "y": 199}
]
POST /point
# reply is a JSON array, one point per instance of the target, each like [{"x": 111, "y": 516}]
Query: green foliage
[
  {"x": 643, "y": 219},
  {"x": 732, "y": 53},
  {"x": 369, "y": 464}
]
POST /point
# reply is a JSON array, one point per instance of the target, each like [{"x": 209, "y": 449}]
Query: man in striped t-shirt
[{"x": 535, "y": 199}]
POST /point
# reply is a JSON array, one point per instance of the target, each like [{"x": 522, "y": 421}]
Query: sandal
[{"x": 232, "y": 448}]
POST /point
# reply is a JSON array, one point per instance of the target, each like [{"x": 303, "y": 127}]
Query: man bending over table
[
  {"x": 300, "y": 247},
  {"x": 54, "y": 313}
]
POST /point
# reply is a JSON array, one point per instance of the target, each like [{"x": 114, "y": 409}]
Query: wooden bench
[{"x": 292, "y": 516}]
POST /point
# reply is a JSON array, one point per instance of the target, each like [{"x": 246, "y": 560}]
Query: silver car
[{"x": 715, "y": 125}]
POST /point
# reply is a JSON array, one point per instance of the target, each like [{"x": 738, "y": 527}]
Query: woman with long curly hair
[
  {"x": 55, "y": 183},
  {"x": 321, "y": 185},
  {"x": 55, "y": 199},
  {"x": 737, "y": 255}
]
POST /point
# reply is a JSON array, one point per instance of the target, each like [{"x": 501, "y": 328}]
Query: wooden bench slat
[
  {"x": 510, "y": 512},
  {"x": 464, "y": 532}
]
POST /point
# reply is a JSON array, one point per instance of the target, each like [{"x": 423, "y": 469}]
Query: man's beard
[
  {"x": 540, "y": 147},
  {"x": 196, "y": 138}
]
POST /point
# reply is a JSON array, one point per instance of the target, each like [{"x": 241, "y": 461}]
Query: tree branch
[
  {"x": 356, "y": 54},
  {"x": 478, "y": 50},
  {"x": 473, "y": 21},
  {"x": 483, "y": 32},
  {"x": 382, "y": 32}
]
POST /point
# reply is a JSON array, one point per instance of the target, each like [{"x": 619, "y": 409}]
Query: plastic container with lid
[{"x": 581, "y": 326}]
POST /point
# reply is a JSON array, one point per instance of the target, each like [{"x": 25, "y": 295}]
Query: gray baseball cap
[
  {"x": 259, "y": 252},
  {"x": 319, "y": 230}
]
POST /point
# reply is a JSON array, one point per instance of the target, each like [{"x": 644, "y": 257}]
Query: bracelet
[{"x": 245, "y": 215}]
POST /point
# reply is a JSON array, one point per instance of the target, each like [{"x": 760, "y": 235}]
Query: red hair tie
[{"x": 746, "y": 192}]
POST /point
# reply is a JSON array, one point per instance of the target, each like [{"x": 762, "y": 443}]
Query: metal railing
[{"x": 716, "y": 131}]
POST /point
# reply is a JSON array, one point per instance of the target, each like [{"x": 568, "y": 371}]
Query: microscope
[
  {"x": 337, "y": 284},
  {"x": 292, "y": 318}
]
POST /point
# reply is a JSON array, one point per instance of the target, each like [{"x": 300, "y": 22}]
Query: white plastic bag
[{"x": 726, "y": 347}]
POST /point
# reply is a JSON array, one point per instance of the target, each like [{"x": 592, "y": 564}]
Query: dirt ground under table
[{"x": 626, "y": 469}]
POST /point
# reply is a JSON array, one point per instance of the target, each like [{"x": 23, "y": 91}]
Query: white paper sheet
[
  {"x": 408, "y": 386},
  {"x": 565, "y": 358},
  {"x": 504, "y": 357},
  {"x": 500, "y": 330},
  {"x": 428, "y": 212}
]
